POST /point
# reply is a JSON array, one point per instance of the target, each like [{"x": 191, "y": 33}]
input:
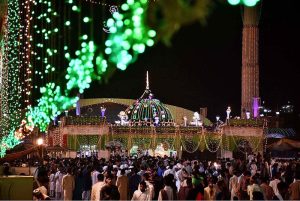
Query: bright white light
[
  {"x": 277, "y": 113},
  {"x": 40, "y": 141},
  {"x": 248, "y": 115},
  {"x": 233, "y": 2}
]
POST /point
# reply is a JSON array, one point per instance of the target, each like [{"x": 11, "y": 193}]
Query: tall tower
[{"x": 250, "y": 62}]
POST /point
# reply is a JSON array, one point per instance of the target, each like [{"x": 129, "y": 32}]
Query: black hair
[
  {"x": 147, "y": 176},
  {"x": 257, "y": 195},
  {"x": 143, "y": 183},
  {"x": 100, "y": 177}
]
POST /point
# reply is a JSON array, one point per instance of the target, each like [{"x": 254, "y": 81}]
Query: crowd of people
[{"x": 154, "y": 178}]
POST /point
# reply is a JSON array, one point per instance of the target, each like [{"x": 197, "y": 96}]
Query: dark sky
[{"x": 203, "y": 66}]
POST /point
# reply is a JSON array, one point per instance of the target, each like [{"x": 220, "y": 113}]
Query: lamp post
[
  {"x": 40, "y": 143},
  {"x": 185, "y": 121},
  {"x": 103, "y": 109}
]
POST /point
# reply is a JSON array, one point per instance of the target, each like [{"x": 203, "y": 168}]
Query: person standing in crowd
[
  {"x": 197, "y": 191},
  {"x": 77, "y": 193},
  {"x": 275, "y": 182},
  {"x": 96, "y": 188},
  {"x": 141, "y": 194},
  {"x": 182, "y": 174},
  {"x": 134, "y": 181},
  {"x": 234, "y": 185},
  {"x": 223, "y": 192},
  {"x": 253, "y": 187},
  {"x": 52, "y": 183},
  {"x": 210, "y": 191},
  {"x": 58, "y": 180},
  {"x": 122, "y": 184},
  {"x": 87, "y": 183},
  {"x": 281, "y": 192},
  {"x": 244, "y": 181},
  {"x": 167, "y": 192},
  {"x": 109, "y": 189},
  {"x": 68, "y": 185},
  {"x": 169, "y": 170},
  {"x": 266, "y": 189},
  {"x": 94, "y": 175},
  {"x": 185, "y": 189},
  {"x": 253, "y": 168},
  {"x": 150, "y": 186},
  {"x": 294, "y": 188}
]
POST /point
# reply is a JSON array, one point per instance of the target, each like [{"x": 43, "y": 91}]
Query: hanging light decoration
[{"x": 249, "y": 3}]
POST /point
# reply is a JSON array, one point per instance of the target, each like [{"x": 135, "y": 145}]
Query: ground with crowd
[{"x": 157, "y": 178}]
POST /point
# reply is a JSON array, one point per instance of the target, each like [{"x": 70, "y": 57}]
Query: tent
[{"x": 284, "y": 144}]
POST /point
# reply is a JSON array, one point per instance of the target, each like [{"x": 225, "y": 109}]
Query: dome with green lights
[{"x": 148, "y": 109}]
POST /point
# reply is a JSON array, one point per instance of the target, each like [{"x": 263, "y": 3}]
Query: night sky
[{"x": 202, "y": 68}]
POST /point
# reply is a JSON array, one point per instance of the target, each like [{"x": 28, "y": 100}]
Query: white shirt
[
  {"x": 52, "y": 182},
  {"x": 252, "y": 188},
  {"x": 273, "y": 184},
  {"x": 253, "y": 168},
  {"x": 170, "y": 171},
  {"x": 150, "y": 189},
  {"x": 58, "y": 179},
  {"x": 169, "y": 192},
  {"x": 94, "y": 176},
  {"x": 96, "y": 188},
  {"x": 233, "y": 186},
  {"x": 141, "y": 196}
]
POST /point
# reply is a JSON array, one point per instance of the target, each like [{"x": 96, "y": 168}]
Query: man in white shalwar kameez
[{"x": 142, "y": 194}]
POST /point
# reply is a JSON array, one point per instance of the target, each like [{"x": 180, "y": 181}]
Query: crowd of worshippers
[{"x": 155, "y": 178}]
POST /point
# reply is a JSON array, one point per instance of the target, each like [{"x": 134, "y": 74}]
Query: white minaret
[{"x": 147, "y": 81}]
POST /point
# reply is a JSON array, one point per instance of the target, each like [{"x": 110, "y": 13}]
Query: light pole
[
  {"x": 40, "y": 143},
  {"x": 103, "y": 109},
  {"x": 185, "y": 121}
]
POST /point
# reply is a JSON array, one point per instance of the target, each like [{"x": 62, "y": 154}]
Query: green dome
[{"x": 146, "y": 108}]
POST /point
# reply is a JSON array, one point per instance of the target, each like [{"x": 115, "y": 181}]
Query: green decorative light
[
  {"x": 130, "y": 31},
  {"x": 67, "y": 23},
  {"x": 85, "y": 37},
  {"x": 129, "y": 37},
  {"x": 11, "y": 93},
  {"x": 233, "y": 2},
  {"x": 75, "y": 8},
  {"x": 86, "y": 19},
  {"x": 249, "y": 3}
]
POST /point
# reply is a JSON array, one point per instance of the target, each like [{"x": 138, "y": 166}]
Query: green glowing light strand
[
  {"x": 13, "y": 115},
  {"x": 129, "y": 34},
  {"x": 128, "y": 30}
]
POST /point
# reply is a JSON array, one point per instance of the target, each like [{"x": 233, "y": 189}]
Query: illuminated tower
[{"x": 250, "y": 62}]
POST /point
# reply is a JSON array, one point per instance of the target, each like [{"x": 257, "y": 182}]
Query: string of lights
[
  {"x": 25, "y": 38},
  {"x": 4, "y": 82},
  {"x": 12, "y": 115},
  {"x": 80, "y": 73},
  {"x": 104, "y": 2}
]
